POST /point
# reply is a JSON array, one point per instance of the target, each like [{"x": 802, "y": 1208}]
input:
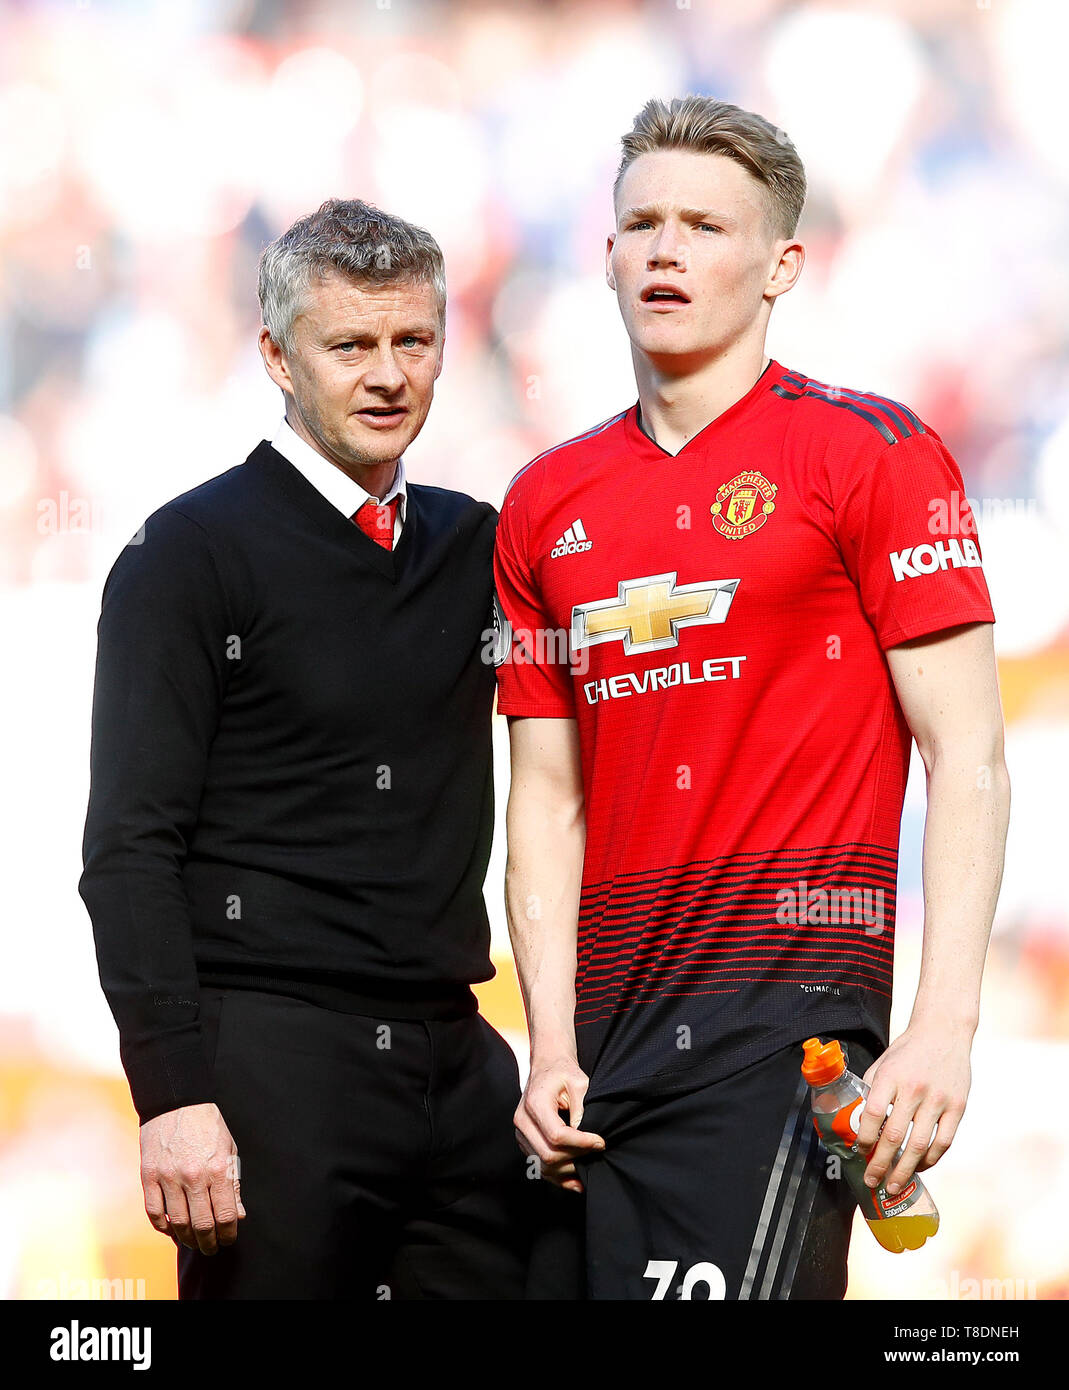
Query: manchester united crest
[{"x": 743, "y": 505}]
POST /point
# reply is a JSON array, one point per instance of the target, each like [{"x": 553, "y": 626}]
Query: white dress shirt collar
[{"x": 327, "y": 478}]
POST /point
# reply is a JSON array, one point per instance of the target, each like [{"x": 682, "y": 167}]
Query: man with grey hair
[{"x": 290, "y": 821}]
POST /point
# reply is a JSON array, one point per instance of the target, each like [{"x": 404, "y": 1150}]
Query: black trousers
[
  {"x": 722, "y": 1192},
  {"x": 377, "y": 1156}
]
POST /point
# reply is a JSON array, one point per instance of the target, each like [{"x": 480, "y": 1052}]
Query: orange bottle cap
[{"x": 823, "y": 1061}]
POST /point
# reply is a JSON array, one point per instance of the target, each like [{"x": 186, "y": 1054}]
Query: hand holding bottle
[{"x": 899, "y": 1221}]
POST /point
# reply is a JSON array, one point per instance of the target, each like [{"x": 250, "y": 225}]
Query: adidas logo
[{"x": 572, "y": 542}]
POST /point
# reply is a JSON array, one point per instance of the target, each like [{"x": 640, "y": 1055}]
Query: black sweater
[{"x": 291, "y": 763}]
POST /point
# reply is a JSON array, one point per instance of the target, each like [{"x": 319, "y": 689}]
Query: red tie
[{"x": 377, "y": 521}]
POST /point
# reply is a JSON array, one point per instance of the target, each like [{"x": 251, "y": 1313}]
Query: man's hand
[
  {"x": 925, "y": 1076},
  {"x": 553, "y": 1086},
  {"x": 189, "y": 1171}
]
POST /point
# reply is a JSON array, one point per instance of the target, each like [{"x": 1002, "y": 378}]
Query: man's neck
[
  {"x": 673, "y": 409},
  {"x": 375, "y": 478}
]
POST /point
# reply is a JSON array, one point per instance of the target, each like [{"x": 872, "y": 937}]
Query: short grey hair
[{"x": 349, "y": 237}]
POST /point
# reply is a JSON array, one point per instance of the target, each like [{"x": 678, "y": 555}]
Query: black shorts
[{"x": 723, "y": 1192}]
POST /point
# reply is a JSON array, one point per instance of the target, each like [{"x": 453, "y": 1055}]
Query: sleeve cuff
[
  {"x": 162, "y": 1081},
  {"x": 935, "y": 622},
  {"x": 525, "y": 709}
]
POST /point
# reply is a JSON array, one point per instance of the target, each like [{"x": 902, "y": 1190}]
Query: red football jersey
[{"x": 716, "y": 623}]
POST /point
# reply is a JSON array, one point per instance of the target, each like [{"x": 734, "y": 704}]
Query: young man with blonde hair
[{"x": 778, "y": 588}]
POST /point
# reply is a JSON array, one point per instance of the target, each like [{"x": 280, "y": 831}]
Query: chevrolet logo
[{"x": 648, "y": 613}]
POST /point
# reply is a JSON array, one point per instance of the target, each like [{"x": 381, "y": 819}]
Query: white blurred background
[{"x": 149, "y": 150}]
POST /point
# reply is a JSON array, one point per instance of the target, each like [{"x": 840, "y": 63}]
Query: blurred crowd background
[{"x": 147, "y": 153}]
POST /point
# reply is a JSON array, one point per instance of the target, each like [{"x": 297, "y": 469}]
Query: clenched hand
[{"x": 190, "y": 1175}]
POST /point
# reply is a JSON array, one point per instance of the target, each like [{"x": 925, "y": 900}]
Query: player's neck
[{"x": 674, "y": 408}]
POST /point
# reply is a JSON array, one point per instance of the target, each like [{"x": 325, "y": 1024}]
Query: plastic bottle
[{"x": 899, "y": 1221}]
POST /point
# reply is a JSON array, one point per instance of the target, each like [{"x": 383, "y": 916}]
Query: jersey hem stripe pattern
[{"x": 715, "y": 926}]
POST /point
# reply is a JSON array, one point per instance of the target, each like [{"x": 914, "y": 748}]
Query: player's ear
[
  {"x": 610, "y": 278},
  {"x": 441, "y": 357},
  {"x": 786, "y": 268}
]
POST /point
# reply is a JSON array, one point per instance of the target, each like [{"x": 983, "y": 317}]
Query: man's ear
[
  {"x": 274, "y": 360},
  {"x": 787, "y": 268},
  {"x": 609, "y": 276},
  {"x": 441, "y": 358}
]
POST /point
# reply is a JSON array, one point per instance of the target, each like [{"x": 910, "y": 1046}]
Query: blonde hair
[{"x": 705, "y": 126}]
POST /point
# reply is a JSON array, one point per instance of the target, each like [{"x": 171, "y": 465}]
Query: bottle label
[
  {"x": 900, "y": 1202},
  {"x": 844, "y": 1123},
  {"x": 838, "y": 1134},
  {"x": 838, "y": 1130}
]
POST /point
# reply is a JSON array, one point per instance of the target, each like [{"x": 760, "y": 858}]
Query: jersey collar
[{"x": 643, "y": 447}]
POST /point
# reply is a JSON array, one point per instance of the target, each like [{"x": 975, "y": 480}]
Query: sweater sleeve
[{"x": 161, "y": 672}]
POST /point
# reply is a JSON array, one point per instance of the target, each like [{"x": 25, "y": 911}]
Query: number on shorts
[{"x": 701, "y": 1273}]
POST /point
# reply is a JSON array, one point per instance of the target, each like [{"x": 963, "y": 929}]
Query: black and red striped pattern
[
  {"x": 710, "y": 927},
  {"x": 891, "y": 419}
]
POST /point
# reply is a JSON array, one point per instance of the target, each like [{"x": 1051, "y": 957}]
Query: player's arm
[
  {"x": 546, "y": 839},
  {"x": 948, "y": 689}
]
